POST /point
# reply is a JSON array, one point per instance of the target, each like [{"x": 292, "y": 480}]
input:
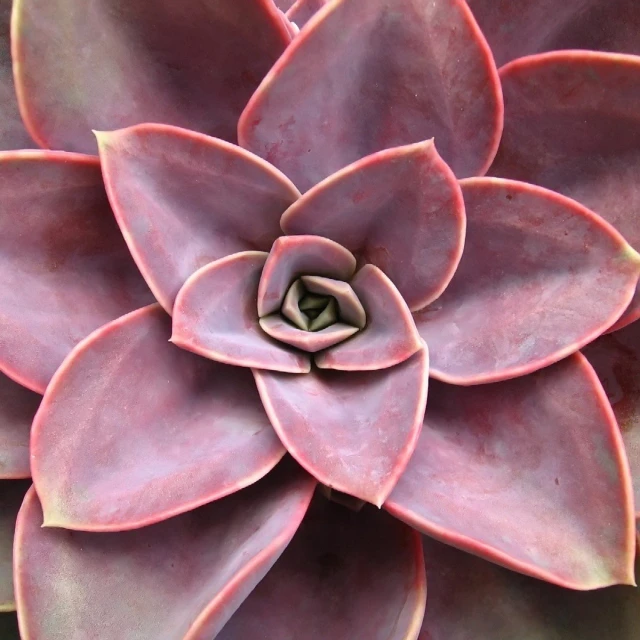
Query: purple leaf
[
  {"x": 390, "y": 336},
  {"x": 292, "y": 257},
  {"x": 133, "y": 430},
  {"x": 516, "y": 29},
  {"x": 345, "y": 575},
  {"x": 353, "y": 431},
  {"x": 311, "y": 341},
  {"x": 108, "y": 64},
  {"x": 573, "y": 125},
  {"x": 64, "y": 268},
  {"x": 215, "y": 316},
  {"x": 177, "y": 580},
  {"x": 183, "y": 200},
  {"x": 400, "y": 209},
  {"x": 616, "y": 359},
  {"x": 470, "y": 599},
  {"x": 523, "y": 296},
  {"x": 367, "y": 76},
  {"x": 529, "y": 473}
]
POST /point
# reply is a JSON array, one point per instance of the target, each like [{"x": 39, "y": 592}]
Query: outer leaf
[
  {"x": 400, "y": 209},
  {"x": 302, "y": 11},
  {"x": 133, "y": 430},
  {"x": 216, "y": 317},
  {"x": 376, "y": 75},
  {"x": 573, "y": 126},
  {"x": 11, "y": 495},
  {"x": 345, "y": 575},
  {"x": 528, "y": 473},
  {"x": 390, "y": 336},
  {"x": 183, "y": 200},
  {"x": 64, "y": 268},
  {"x": 17, "y": 408},
  {"x": 107, "y": 64},
  {"x": 298, "y": 256},
  {"x": 353, "y": 431},
  {"x": 177, "y": 580},
  {"x": 523, "y": 296},
  {"x": 516, "y": 29},
  {"x": 13, "y": 135},
  {"x": 616, "y": 359},
  {"x": 470, "y": 599}
]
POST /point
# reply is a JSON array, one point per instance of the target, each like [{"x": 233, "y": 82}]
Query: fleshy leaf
[
  {"x": 573, "y": 126},
  {"x": 64, "y": 268},
  {"x": 11, "y": 495},
  {"x": 349, "y": 307},
  {"x": 133, "y": 430},
  {"x": 400, "y": 209},
  {"x": 390, "y": 336},
  {"x": 540, "y": 277},
  {"x": 18, "y": 405},
  {"x": 311, "y": 341},
  {"x": 215, "y": 316},
  {"x": 529, "y": 473},
  {"x": 516, "y": 29},
  {"x": 108, "y": 64},
  {"x": 367, "y": 76},
  {"x": 616, "y": 359},
  {"x": 302, "y": 11},
  {"x": 345, "y": 575},
  {"x": 177, "y": 580},
  {"x": 295, "y": 256},
  {"x": 470, "y": 599},
  {"x": 183, "y": 199},
  {"x": 13, "y": 134},
  {"x": 291, "y": 307},
  {"x": 353, "y": 431}
]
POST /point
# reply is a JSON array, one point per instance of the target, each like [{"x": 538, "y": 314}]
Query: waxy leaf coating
[
  {"x": 183, "y": 199},
  {"x": 470, "y": 599},
  {"x": 108, "y": 64},
  {"x": 345, "y": 575},
  {"x": 216, "y": 317},
  {"x": 353, "y": 431},
  {"x": 616, "y": 359},
  {"x": 367, "y": 76},
  {"x": 390, "y": 336},
  {"x": 519, "y": 28},
  {"x": 529, "y": 473},
  {"x": 177, "y": 580},
  {"x": 295, "y": 256},
  {"x": 400, "y": 209},
  {"x": 64, "y": 267},
  {"x": 572, "y": 124},
  {"x": 311, "y": 341},
  {"x": 540, "y": 277},
  {"x": 133, "y": 430}
]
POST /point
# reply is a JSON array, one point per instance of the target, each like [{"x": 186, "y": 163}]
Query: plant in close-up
[{"x": 319, "y": 319}]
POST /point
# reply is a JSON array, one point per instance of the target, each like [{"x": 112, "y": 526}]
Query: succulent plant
[{"x": 256, "y": 236}]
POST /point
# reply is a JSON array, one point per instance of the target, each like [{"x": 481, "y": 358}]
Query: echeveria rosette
[{"x": 158, "y": 431}]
